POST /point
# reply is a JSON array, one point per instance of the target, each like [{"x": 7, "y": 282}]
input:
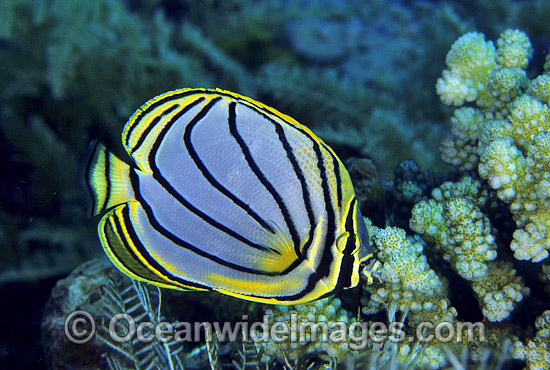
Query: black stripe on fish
[
  {"x": 157, "y": 119},
  {"x": 207, "y": 175},
  {"x": 181, "y": 199},
  {"x": 151, "y": 261},
  {"x": 181, "y": 243}
]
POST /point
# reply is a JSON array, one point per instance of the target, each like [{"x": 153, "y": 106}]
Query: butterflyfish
[{"x": 225, "y": 193}]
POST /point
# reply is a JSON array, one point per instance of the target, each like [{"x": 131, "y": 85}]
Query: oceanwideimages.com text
[{"x": 80, "y": 328}]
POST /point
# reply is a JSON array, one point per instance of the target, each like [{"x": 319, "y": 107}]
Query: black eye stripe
[{"x": 350, "y": 228}]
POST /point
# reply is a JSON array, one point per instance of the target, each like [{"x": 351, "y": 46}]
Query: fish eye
[
  {"x": 357, "y": 244},
  {"x": 341, "y": 241}
]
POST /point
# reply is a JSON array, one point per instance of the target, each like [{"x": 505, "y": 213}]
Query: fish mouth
[{"x": 371, "y": 270}]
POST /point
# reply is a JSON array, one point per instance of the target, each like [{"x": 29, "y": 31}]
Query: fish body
[{"x": 227, "y": 194}]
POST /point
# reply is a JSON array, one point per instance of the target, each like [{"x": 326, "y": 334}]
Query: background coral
[
  {"x": 505, "y": 142},
  {"x": 408, "y": 282},
  {"x": 536, "y": 353},
  {"x": 456, "y": 226},
  {"x": 511, "y": 152}
]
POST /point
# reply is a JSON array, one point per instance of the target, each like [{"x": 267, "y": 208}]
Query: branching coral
[
  {"x": 499, "y": 291},
  {"x": 470, "y": 63},
  {"x": 315, "y": 328},
  {"x": 477, "y": 71},
  {"x": 461, "y": 149},
  {"x": 81, "y": 69},
  {"x": 454, "y": 222},
  {"x": 508, "y": 138},
  {"x": 407, "y": 279},
  {"x": 409, "y": 186},
  {"x": 408, "y": 284},
  {"x": 536, "y": 353},
  {"x": 513, "y": 49},
  {"x": 540, "y": 87}
]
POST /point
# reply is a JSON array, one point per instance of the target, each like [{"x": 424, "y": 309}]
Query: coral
[
  {"x": 427, "y": 220},
  {"x": 513, "y": 49},
  {"x": 536, "y": 353},
  {"x": 470, "y": 242},
  {"x": 99, "y": 289},
  {"x": 504, "y": 85},
  {"x": 392, "y": 354},
  {"x": 313, "y": 332},
  {"x": 360, "y": 73},
  {"x": 528, "y": 117},
  {"x": 540, "y": 88},
  {"x": 532, "y": 242},
  {"x": 507, "y": 140},
  {"x": 503, "y": 166},
  {"x": 477, "y": 71},
  {"x": 455, "y": 224},
  {"x": 407, "y": 283},
  {"x": 470, "y": 63},
  {"x": 460, "y": 150},
  {"x": 407, "y": 280},
  {"x": 409, "y": 186},
  {"x": 499, "y": 291}
]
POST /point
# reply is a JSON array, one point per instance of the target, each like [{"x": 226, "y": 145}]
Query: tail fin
[{"x": 107, "y": 179}]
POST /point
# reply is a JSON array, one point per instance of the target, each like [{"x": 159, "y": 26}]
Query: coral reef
[
  {"x": 536, "y": 353},
  {"x": 101, "y": 291},
  {"x": 361, "y": 75},
  {"x": 507, "y": 139},
  {"x": 454, "y": 222},
  {"x": 470, "y": 63},
  {"x": 407, "y": 280},
  {"x": 315, "y": 331}
]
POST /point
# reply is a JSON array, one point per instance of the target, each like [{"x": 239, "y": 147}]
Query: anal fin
[{"x": 120, "y": 248}]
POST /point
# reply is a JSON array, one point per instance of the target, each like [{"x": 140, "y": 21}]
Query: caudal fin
[{"x": 107, "y": 179}]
